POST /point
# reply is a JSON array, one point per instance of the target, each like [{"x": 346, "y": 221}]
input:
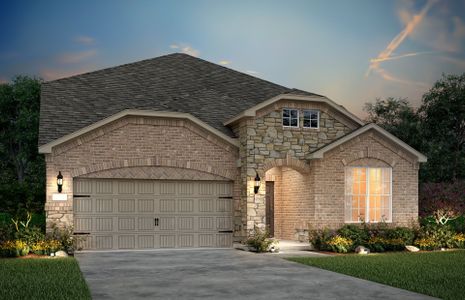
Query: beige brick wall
[
  {"x": 370, "y": 150},
  {"x": 131, "y": 147}
]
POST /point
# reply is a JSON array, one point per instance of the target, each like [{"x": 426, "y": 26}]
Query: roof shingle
[{"x": 175, "y": 82}]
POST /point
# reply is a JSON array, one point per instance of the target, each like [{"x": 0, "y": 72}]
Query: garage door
[{"x": 149, "y": 214}]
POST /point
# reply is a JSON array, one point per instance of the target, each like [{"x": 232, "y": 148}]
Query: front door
[{"x": 270, "y": 206}]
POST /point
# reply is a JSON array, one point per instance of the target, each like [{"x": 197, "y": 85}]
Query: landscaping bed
[
  {"x": 42, "y": 278},
  {"x": 438, "y": 274}
]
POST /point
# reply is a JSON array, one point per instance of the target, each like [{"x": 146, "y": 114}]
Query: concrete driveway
[{"x": 220, "y": 274}]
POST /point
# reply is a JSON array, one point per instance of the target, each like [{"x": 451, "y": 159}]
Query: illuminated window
[
  {"x": 368, "y": 195},
  {"x": 290, "y": 117}
]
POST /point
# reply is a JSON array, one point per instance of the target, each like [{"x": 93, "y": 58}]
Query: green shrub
[
  {"x": 340, "y": 244},
  {"x": 14, "y": 248},
  {"x": 260, "y": 240},
  {"x": 405, "y": 234},
  {"x": 357, "y": 233},
  {"x": 440, "y": 235},
  {"x": 65, "y": 235},
  {"x": 459, "y": 240},
  {"x": 30, "y": 235},
  {"x": 319, "y": 238}
]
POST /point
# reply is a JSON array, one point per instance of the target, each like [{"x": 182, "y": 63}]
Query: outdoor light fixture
[
  {"x": 257, "y": 184},
  {"x": 60, "y": 182}
]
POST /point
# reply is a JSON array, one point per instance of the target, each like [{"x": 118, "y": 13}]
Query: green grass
[
  {"x": 438, "y": 274},
  {"x": 42, "y": 278}
]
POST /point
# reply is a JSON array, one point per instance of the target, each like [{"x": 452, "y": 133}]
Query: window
[
  {"x": 290, "y": 117},
  {"x": 311, "y": 119},
  {"x": 368, "y": 194}
]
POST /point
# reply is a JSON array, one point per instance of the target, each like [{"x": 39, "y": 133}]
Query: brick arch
[
  {"x": 153, "y": 162},
  {"x": 296, "y": 164},
  {"x": 365, "y": 157}
]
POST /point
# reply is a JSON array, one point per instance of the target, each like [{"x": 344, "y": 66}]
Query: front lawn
[
  {"x": 42, "y": 278},
  {"x": 438, "y": 274}
]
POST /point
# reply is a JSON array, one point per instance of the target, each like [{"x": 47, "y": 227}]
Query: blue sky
[{"x": 350, "y": 51}]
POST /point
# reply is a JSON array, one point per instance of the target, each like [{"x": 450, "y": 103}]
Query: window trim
[
  {"x": 290, "y": 118},
  {"x": 367, "y": 200},
  {"x": 317, "y": 119}
]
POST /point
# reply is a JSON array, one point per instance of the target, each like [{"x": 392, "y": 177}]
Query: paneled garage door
[{"x": 148, "y": 214}]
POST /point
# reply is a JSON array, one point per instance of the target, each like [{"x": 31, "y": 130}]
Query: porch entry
[{"x": 270, "y": 206}]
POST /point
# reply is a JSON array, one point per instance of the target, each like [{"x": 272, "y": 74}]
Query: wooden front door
[{"x": 270, "y": 206}]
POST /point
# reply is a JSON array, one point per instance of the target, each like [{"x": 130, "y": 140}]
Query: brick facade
[
  {"x": 307, "y": 191},
  {"x": 136, "y": 147}
]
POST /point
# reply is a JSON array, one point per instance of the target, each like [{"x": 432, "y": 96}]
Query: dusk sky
[{"x": 350, "y": 51}]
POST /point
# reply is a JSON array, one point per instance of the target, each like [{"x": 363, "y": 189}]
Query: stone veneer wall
[
  {"x": 140, "y": 143},
  {"x": 265, "y": 143},
  {"x": 370, "y": 150}
]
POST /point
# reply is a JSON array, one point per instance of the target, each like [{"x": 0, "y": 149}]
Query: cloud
[
  {"x": 373, "y": 60},
  {"x": 187, "y": 49},
  {"x": 52, "y": 74},
  {"x": 85, "y": 40},
  {"x": 412, "y": 22},
  {"x": 224, "y": 62},
  {"x": 76, "y": 57},
  {"x": 440, "y": 31}
]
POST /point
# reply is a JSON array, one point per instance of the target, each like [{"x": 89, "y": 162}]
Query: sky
[{"x": 350, "y": 51}]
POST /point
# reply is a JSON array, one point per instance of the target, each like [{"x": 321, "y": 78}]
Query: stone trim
[{"x": 150, "y": 162}]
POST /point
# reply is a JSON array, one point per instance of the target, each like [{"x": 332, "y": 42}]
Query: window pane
[
  {"x": 286, "y": 121},
  {"x": 294, "y": 122},
  {"x": 307, "y": 114},
  {"x": 314, "y": 124},
  {"x": 314, "y": 115},
  {"x": 285, "y": 113},
  {"x": 294, "y": 113},
  {"x": 306, "y": 123}
]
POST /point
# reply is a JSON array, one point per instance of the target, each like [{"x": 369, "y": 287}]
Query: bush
[
  {"x": 260, "y": 240},
  {"x": 434, "y": 236},
  {"x": 404, "y": 234},
  {"x": 66, "y": 238},
  {"x": 443, "y": 201},
  {"x": 340, "y": 244},
  {"x": 320, "y": 238},
  {"x": 358, "y": 234},
  {"x": 14, "y": 248},
  {"x": 459, "y": 240}
]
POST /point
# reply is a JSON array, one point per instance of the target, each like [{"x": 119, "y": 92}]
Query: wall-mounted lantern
[
  {"x": 60, "y": 182},
  {"x": 257, "y": 184}
]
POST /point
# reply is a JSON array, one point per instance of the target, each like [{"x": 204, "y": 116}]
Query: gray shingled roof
[{"x": 175, "y": 82}]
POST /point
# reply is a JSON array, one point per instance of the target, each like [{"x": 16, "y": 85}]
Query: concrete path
[{"x": 220, "y": 274}]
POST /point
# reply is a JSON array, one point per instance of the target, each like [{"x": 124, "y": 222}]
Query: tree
[
  {"x": 442, "y": 116},
  {"x": 22, "y": 169},
  {"x": 443, "y": 201},
  {"x": 398, "y": 117}
]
